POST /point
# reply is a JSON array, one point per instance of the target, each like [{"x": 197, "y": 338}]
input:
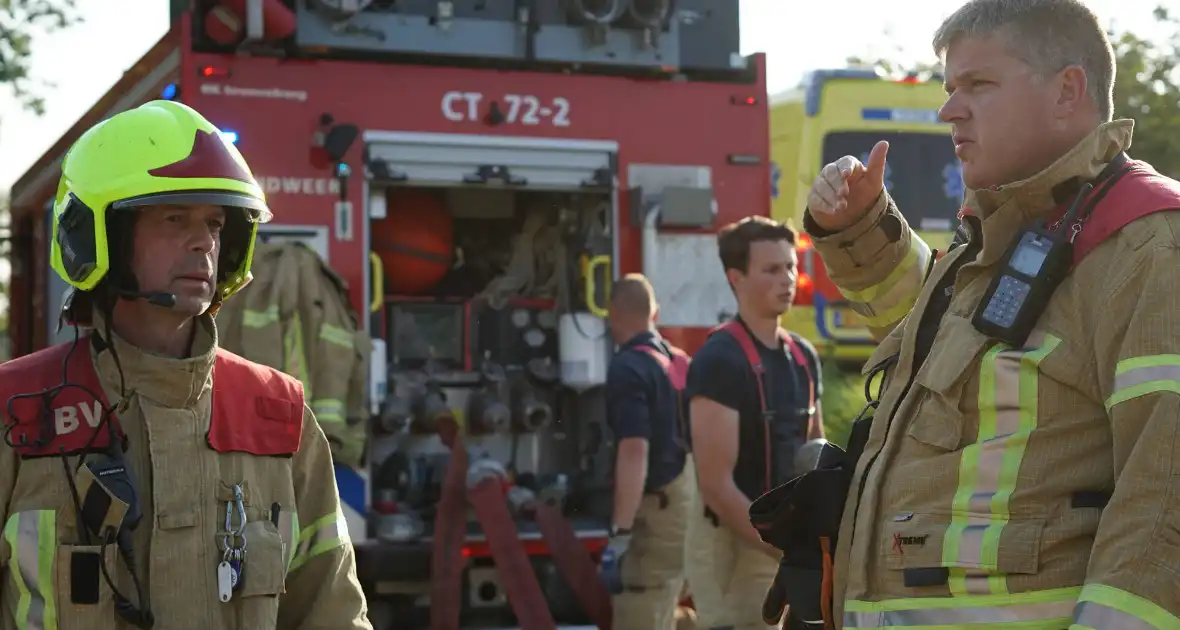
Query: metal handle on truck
[
  {"x": 378, "y": 282},
  {"x": 591, "y": 286}
]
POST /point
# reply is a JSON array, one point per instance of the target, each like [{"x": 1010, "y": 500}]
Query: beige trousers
[
  {"x": 729, "y": 577},
  {"x": 653, "y": 567}
]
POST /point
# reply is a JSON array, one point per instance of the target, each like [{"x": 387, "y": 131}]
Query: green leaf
[{"x": 21, "y": 22}]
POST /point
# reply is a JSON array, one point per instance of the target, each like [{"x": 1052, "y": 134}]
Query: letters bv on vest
[
  {"x": 773, "y": 440},
  {"x": 255, "y": 409}
]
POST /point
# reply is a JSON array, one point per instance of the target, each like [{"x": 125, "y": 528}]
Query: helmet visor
[{"x": 256, "y": 209}]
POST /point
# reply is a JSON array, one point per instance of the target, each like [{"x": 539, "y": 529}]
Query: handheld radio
[
  {"x": 1032, "y": 269},
  {"x": 1037, "y": 262}
]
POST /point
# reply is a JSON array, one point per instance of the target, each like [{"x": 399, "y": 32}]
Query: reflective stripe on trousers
[
  {"x": 1037, "y": 610},
  {"x": 32, "y": 537}
]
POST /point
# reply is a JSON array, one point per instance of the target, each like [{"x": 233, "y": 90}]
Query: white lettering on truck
[
  {"x": 217, "y": 89},
  {"x": 288, "y": 185},
  {"x": 518, "y": 109}
]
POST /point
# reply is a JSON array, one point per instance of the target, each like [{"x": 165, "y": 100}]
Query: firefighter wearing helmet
[{"x": 147, "y": 478}]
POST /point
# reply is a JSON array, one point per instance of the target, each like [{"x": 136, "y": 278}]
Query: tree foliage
[
  {"x": 1147, "y": 88},
  {"x": 21, "y": 21}
]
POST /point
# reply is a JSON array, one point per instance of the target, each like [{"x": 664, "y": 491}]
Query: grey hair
[{"x": 1048, "y": 35}]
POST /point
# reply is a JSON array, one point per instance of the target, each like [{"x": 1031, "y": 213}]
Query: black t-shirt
[
  {"x": 721, "y": 372},
  {"x": 641, "y": 402}
]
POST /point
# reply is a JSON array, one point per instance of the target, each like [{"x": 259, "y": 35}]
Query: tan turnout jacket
[
  {"x": 299, "y": 575},
  {"x": 978, "y": 507}
]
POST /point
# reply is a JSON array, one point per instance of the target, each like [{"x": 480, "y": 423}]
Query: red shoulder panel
[
  {"x": 1140, "y": 192},
  {"x": 42, "y": 417},
  {"x": 256, "y": 409},
  {"x": 675, "y": 367}
]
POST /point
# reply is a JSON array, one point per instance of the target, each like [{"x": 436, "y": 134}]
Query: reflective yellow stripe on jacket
[
  {"x": 887, "y": 302},
  {"x": 32, "y": 537},
  {"x": 1145, "y": 375},
  {"x": 988, "y": 468},
  {"x": 1037, "y": 610},
  {"x": 337, "y": 335},
  {"x": 260, "y": 319},
  {"x": 324, "y": 534},
  {"x": 294, "y": 354},
  {"x": 328, "y": 410},
  {"x": 1102, "y": 607},
  {"x": 980, "y": 511}
]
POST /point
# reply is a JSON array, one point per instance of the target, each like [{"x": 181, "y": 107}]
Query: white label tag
[{"x": 225, "y": 581}]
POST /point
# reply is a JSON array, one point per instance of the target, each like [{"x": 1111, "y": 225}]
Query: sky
[{"x": 83, "y": 62}]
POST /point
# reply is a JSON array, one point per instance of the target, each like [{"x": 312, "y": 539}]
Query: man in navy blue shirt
[
  {"x": 747, "y": 427},
  {"x": 653, "y": 481}
]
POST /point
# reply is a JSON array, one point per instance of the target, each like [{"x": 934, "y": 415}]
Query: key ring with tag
[{"x": 231, "y": 569}]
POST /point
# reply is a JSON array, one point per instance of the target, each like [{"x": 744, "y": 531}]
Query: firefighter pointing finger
[
  {"x": 149, "y": 479},
  {"x": 1018, "y": 468}
]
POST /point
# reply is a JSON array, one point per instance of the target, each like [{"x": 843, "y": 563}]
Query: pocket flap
[
  {"x": 938, "y": 420},
  {"x": 923, "y": 541},
  {"x": 266, "y": 561},
  {"x": 956, "y": 349}
]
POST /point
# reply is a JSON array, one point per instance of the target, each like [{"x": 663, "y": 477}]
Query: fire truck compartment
[{"x": 506, "y": 244}]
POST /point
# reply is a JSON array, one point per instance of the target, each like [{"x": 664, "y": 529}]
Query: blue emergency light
[
  {"x": 169, "y": 92},
  {"x": 928, "y": 116},
  {"x": 230, "y": 136}
]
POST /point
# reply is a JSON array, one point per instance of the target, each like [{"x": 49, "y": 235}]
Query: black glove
[
  {"x": 793, "y": 518},
  {"x": 804, "y": 587}
]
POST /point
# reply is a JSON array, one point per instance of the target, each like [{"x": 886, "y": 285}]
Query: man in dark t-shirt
[
  {"x": 653, "y": 493},
  {"x": 747, "y": 428}
]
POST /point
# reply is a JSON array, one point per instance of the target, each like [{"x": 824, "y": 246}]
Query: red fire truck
[{"x": 477, "y": 171}]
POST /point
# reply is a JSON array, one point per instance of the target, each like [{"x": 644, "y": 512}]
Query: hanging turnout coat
[{"x": 295, "y": 316}]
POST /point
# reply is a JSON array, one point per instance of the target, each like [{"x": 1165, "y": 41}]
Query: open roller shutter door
[{"x": 440, "y": 159}]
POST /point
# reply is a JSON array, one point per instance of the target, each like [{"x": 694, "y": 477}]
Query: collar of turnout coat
[
  {"x": 167, "y": 381},
  {"x": 1035, "y": 197}
]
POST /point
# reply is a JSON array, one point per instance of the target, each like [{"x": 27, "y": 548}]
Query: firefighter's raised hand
[{"x": 846, "y": 189}]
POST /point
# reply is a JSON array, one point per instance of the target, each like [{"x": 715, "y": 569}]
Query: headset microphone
[{"x": 155, "y": 298}]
